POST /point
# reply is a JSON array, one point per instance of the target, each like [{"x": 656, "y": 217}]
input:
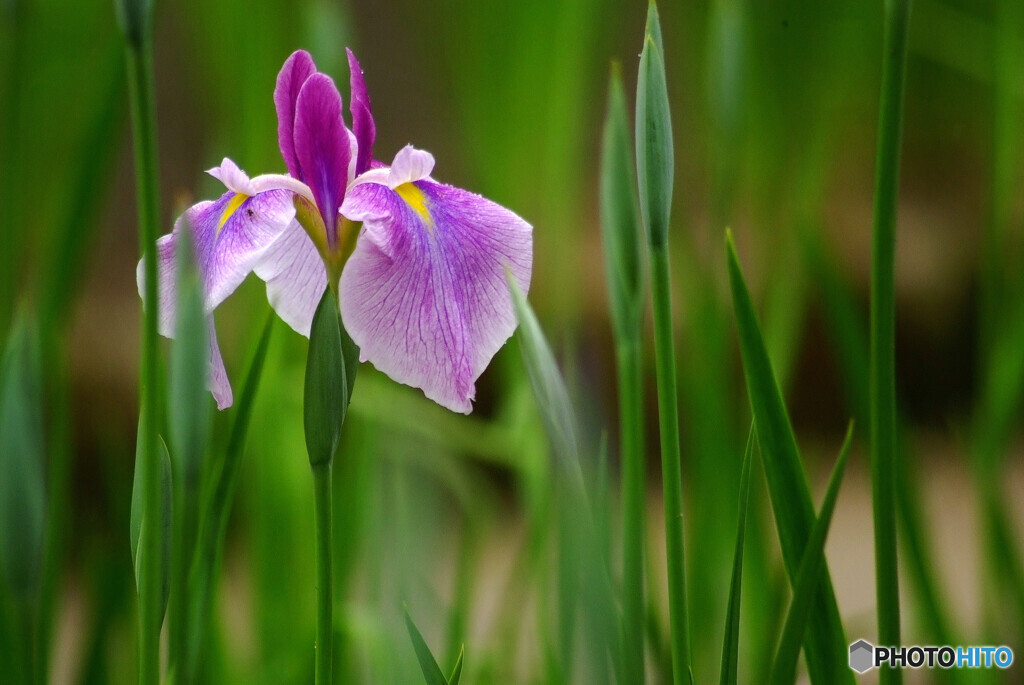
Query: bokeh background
[{"x": 774, "y": 107}]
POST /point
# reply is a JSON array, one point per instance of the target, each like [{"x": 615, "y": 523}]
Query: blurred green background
[{"x": 775, "y": 108}]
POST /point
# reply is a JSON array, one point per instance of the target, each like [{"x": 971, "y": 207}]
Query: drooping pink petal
[
  {"x": 424, "y": 294},
  {"x": 297, "y": 68},
  {"x": 322, "y": 147},
  {"x": 217, "y": 380},
  {"x": 295, "y": 277},
  {"x": 362, "y": 116}
]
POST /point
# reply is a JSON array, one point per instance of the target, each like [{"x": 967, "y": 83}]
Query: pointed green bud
[
  {"x": 328, "y": 389},
  {"x": 654, "y": 151}
]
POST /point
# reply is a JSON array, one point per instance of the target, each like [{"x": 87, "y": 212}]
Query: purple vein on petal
[
  {"x": 297, "y": 68},
  {"x": 427, "y": 302},
  {"x": 362, "y": 116},
  {"x": 322, "y": 147}
]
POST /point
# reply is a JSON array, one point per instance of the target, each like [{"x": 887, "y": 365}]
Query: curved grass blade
[
  {"x": 731, "y": 645},
  {"x": 456, "y": 675},
  {"x": 216, "y": 507},
  {"x": 808, "y": 576},
  {"x": 825, "y": 641},
  {"x": 431, "y": 671}
]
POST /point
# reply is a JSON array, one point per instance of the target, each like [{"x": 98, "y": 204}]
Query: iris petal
[
  {"x": 362, "y": 117},
  {"x": 323, "y": 148},
  {"x": 297, "y": 68},
  {"x": 295, "y": 277},
  {"x": 425, "y": 297}
]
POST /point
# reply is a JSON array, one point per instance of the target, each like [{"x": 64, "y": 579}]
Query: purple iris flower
[{"x": 419, "y": 266}]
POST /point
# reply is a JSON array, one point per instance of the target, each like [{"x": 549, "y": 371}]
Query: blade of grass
[
  {"x": 655, "y": 170},
  {"x": 188, "y": 418},
  {"x": 22, "y": 487},
  {"x": 850, "y": 344},
  {"x": 883, "y": 319},
  {"x": 456, "y": 675},
  {"x": 135, "y": 17},
  {"x": 432, "y": 673},
  {"x": 213, "y": 522},
  {"x": 808, "y": 576},
  {"x": 584, "y": 578},
  {"x": 825, "y": 642},
  {"x": 622, "y": 240},
  {"x": 731, "y": 642}
]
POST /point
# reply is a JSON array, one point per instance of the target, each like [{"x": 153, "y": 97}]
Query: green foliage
[
  {"x": 808, "y": 576},
  {"x": 825, "y": 642},
  {"x": 432, "y": 673},
  {"x": 140, "y": 508},
  {"x": 731, "y": 642},
  {"x": 22, "y": 459},
  {"x": 654, "y": 147},
  {"x": 327, "y": 386}
]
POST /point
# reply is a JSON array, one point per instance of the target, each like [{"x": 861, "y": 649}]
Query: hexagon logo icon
[{"x": 862, "y": 656}]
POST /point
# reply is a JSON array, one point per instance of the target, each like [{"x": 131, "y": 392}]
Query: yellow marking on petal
[
  {"x": 232, "y": 207},
  {"x": 417, "y": 201}
]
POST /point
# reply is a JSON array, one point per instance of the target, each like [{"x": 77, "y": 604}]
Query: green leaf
[
  {"x": 216, "y": 508},
  {"x": 140, "y": 509},
  {"x": 825, "y": 642},
  {"x": 731, "y": 645},
  {"x": 327, "y": 386},
  {"x": 431, "y": 671},
  {"x": 456, "y": 675},
  {"x": 620, "y": 228},
  {"x": 654, "y": 151},
  {"x": 808, "y": 576},
  {"x": 22, "y": 454},
  {"x": 188, "y": 409},
  {"x": 546, "y": 380}
]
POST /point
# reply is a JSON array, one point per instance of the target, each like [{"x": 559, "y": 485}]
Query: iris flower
[{"x": 418, "y": 266}]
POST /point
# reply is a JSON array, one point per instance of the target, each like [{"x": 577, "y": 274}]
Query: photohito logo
[{"x": 864, "y": 656}]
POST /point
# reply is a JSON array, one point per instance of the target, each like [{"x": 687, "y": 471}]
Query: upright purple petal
[
  {"x": 424, "y": 294},
  {"x": 295, "y": 276},
  {"x": 362, "y": 116},
  {"x": 322, "y": 147},
  {"x": 297, "y": 68}
]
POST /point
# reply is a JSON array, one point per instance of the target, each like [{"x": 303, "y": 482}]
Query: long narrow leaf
[
  {"x": 825, "y": 642},
  {"x": 216, "y": 507},
  {"x": 22, "y": 453},
  {"x": 731, "y": 644},
  {"x": 432, "y": 673},
  {"x": 808, "y": 576}
]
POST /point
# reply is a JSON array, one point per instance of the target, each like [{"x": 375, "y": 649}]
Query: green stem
[
  {"x": 631, "y": 415},
  {"x": 324, "y": 585},
  {"x": 140, "y": 81},
  {"x": 882, "y": 382},
  {"x": 671, "y": 472}
]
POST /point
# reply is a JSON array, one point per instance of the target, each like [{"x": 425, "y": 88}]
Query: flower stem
[
  {"x": 883, "y": 385},
  {"x": 324, "y": 586},
  {"x": 140, "y": 81},
  {"x": 631, "y": 416},
  {"x": 671, "y": 472}
]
